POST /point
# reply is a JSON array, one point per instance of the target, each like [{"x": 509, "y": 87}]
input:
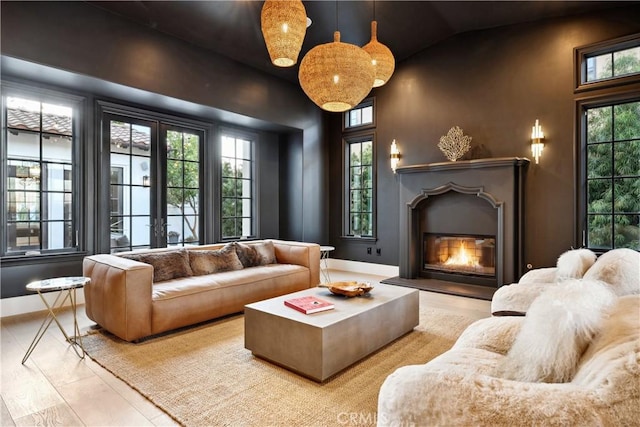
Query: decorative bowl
[{"x": 349, "y": 289}]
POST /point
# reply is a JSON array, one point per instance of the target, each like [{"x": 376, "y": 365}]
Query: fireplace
[
  {"x": 472, "y": 204},
  {"x": 460, "y": 254}
]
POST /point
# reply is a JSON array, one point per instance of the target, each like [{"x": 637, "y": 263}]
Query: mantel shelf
[{"x": 465, "y": 164}]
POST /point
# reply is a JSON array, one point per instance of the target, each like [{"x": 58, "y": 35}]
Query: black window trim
[
  {"x": 354, "y": 137},
  {"x": 582, "y": 52},
  {"x": 79, "y": 151}
]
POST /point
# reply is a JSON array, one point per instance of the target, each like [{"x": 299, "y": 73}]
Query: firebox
[{"x": 454, "y": 254}]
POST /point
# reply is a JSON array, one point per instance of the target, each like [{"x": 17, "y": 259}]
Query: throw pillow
[
  {"x": 555, "y": 332},
  {"x": 208, "y": 262},
  {"x": 267, "y": 252},
  {"x": 247, "y": 254},
  {"x": 574, "y": 263},
  {"x": 255, "y": 254},
  {"x": 166, "y": 265},
  {"x": 620, "y": 269}
]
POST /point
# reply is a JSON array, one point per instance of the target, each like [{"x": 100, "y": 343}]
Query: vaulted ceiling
[{"x": 232, "y": 28}]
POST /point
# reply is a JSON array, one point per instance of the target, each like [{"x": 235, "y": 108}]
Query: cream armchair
[{"x": 460, "y": 387}]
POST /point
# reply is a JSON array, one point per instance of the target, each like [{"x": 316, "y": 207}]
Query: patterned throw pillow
[
  {"x": 255, "y": 254},
  {"x": 166, "y": 265},
  {"x": 208, "y": 262}
]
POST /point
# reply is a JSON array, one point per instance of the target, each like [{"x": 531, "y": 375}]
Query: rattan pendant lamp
[
  {"x": 381, "y": 56},
  {"x": 336, "y": 76},
  {"x": 284, "y": 24}
]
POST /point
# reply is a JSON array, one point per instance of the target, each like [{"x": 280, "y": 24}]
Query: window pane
[
  {"x": 23, "y": 145},
  {"x": 54, "y": 207},
  {"x": 367, "y": 114},
  {"x": 191, "y": 147},
  {"x": 56, "y": 148},
  {"x": 627, "y": 121},
  {"x": 140, "y": 140},
  {"x": 228, "y": 207},
  {"x": 174, "y": 173},
  {"x": 599, "y": 160},
  {"x": 599, "y": 67},
  {"x": 23, "y": 113},
  {"x": 599, "y": 196},
  {"x": 174, "y": 145},
  {"x": 140, "y": 231},
  {"x": 627, "y": 158},
  {"x": 140, "y": 200},
  {"x": 228, "y": 187},
  {"x": 354, "y": 154},
  {"x": 356, "y": 176},
  {"x": 56, "y": 177},
  {"x": 627, "y": 191},
  {"x": 599, "y": 231},
  {"x": 191, "y": 229},
  {"x": 57, "y": 119},
  {"x": 627, "y": 232},
  {"x": 229, "y": 227},
  {"x": 120, "y": 162},
  {"x": 599, "y": 125},
  {"x": 55, "y": 232},
  {"x": 626, "y": 61}
]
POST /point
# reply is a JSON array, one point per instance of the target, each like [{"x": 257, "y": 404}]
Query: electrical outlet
[
  {"x": 378, "y": 251},
  {"x": 369, "y": 251}
]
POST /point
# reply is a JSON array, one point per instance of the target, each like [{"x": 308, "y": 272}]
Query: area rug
[{"x": 204, "y": 375}]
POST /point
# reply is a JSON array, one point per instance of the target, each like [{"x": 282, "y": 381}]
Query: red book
[{"x": 308, "y": 305}]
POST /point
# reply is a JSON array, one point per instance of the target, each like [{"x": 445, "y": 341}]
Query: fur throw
[
  {"x": 574, "y": 263},
  {"x": 557, "y": 329}
]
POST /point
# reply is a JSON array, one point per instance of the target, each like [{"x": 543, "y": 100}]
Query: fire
[{"x": 462, "y": 257}]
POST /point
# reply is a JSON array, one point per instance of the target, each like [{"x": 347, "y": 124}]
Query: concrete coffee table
[{"x": 321, "y": 344}]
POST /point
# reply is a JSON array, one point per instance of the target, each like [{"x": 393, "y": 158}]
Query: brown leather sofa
[{"x": 124, "y": 299}]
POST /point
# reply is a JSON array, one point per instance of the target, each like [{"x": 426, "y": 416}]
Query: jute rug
[{"x": 204, "y": 375}]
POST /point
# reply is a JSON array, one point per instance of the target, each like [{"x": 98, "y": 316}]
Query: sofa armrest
[
  {"x": 119, "y": 295},
  {"x": 539, "y": 275},
  {"x": 300, "y": 253}
]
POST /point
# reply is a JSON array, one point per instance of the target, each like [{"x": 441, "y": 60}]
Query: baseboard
[
  {"x": 31, "y": 303},
  {"x": 363, "y": 267}
]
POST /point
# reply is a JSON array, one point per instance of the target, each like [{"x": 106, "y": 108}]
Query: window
[
  {"x": 360, "y": 116},
  {"x": 237, "y": 187},
  {"x": 40, "y": 191},
  {"x": 609, "y": 197},
  {"x": 611, "y": 63},
  {"x": 360, "y": 187},
  {"x": 613, "y": 176}
]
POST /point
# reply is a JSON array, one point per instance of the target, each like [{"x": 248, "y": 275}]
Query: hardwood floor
[{"x": 57, "y": 388}]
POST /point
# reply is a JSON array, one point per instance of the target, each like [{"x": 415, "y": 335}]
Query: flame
[{"x": 462, "y": 257}]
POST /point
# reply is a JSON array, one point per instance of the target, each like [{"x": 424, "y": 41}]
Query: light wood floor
[{"x": 55, "y": 387}]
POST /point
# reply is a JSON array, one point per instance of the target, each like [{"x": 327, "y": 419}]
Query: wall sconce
[
  {"x": 536, "y": 141},
  {"x": 395, "y": 156},
  {"x": 146, "y": 181}
]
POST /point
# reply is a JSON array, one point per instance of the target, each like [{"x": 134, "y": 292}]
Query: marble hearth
[{"x": 475, "y": 201}]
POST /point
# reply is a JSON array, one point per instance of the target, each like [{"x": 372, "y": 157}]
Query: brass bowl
[{"x": 349, "y": 289}]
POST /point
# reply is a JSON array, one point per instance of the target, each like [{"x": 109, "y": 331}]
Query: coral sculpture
[{"x": 454, "y": 144}]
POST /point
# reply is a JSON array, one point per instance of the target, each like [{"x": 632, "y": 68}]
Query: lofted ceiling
[{"x": 232, "y": 28}]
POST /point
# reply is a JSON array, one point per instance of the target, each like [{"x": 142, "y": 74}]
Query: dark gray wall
[
  {"x": 494, "y": 84},
  {"x": 76, "y": 46}
]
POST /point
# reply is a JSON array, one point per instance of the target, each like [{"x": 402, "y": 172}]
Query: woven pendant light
[
  {"x": 381, "y": 56},
  {"x": 336, "y": 76},
  {"x": 284, "y": 24}
]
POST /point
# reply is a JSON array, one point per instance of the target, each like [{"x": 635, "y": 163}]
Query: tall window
[
  {"x": 613, "y": 176},
  {"x": 360, "y": 154},
  {"x": 39, "y": 190},
  {"x": 610, "y": 144},
  {"x": 237, "y": 187}
]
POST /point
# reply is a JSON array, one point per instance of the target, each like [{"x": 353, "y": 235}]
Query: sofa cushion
[
  {"x": 556, "y": 330},
  {"x": 166, "y": 265},
  {"x": 208, "y": 262},
  {"x": 255, "y": 254}
]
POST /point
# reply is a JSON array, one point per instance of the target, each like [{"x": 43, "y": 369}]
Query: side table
[
  {"x": 66, "y": 288},
  {"x": 324, "y": 268}
]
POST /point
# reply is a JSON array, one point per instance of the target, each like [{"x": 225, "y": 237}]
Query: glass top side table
[
  {"x": 66, "y": 288},
  {"x": 324, "y": 268}
]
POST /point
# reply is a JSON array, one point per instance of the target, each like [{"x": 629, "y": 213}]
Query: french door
[{"x": 154, "y": 183}]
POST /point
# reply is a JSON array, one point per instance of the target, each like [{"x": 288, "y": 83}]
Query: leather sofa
[{"x": 124, "y": 299}]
